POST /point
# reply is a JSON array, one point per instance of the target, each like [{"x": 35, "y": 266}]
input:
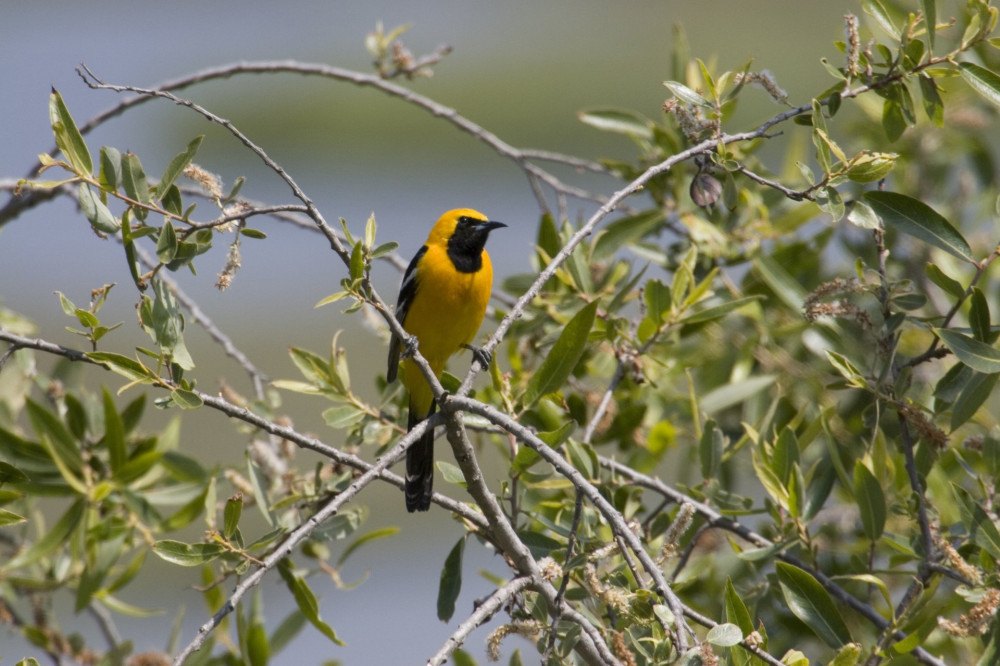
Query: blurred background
[{"x": 520, "y": 69}]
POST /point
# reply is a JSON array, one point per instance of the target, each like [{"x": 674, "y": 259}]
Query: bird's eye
[{"x": 465, "y": 219}]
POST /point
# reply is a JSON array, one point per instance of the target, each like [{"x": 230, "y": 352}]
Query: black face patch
[{"x": 465, "y": 247}]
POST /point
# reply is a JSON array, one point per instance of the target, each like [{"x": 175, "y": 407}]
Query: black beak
[{"x": 491, "y": 225}]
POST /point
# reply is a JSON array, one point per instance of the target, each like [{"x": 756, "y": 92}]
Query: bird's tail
[{"x": 420, "y": 464}]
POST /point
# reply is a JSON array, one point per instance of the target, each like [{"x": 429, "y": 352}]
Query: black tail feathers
[{"x": 420, "y": 465}]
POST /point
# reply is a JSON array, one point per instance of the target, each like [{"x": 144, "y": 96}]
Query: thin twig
[
  {"x": 484, "y": 611},
  {"x": 592, "y": 646},
  {"x": 453, "y": 404}
]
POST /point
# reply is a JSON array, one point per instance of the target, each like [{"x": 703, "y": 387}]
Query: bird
[{"x": 442, "y": 301}]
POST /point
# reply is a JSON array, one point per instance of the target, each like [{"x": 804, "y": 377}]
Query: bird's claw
[{"x": 482, "y": 355}]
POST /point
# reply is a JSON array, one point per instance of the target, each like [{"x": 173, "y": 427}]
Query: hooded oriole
[{"x": 442, "y": 301}]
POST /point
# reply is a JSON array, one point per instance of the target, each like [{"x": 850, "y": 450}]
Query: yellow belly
[{"x": 446, "y": 313}]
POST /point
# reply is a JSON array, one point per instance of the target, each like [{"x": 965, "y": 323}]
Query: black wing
[{"x": 407, "y": 292}]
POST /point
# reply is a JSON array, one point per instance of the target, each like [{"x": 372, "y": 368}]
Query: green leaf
[
  {"x": 981, "y": 527},
  {"x": 933, "y": 104},
  {"x": 618, "y": 121},
  {"x": 686, "y": 95},
  {"x": 893, "y": 121},
  {"x": 948, "y": 284},
  {"x": 563, "y": 356},
  {"x": 451, "y": 582},
  {"x": 56, "y": 536},
  {"x": 974, "y": 393},
  {"x": 380, "y": 533},
  {"x": 728, "y": 395},
  {"x": 111, "y": 169},
  {"x": 305, "y": 599},
  {"x": 724, "y": 635},
  {"x": 124, "y": 366},
  {"x": 61, "y": 445},
  {"x": 177, "y": 165},
  {"x": 231, "y": 515},
  {"x": 717, "y": 311},
  {"x": 736, "y": 609},
  {"x": 624, "y": 231},
  {"x": 870, "y": 498},
  {"x": 114, "y": 433},
  {"x": 11, "y": 474},
  {"x": 869, "y": 167},
  {"x": 979, "y": 315},
  {"x": 919, "y": 220},
  {"x": 257, "y": 234},
  {"x": 710, "y": 449},
  {"x": 134, "y": 183},
  {"x": 68, "y": 138},
  {"x": 848, "y": 655},
  {"x": 982, "y": 80},
  {"x": 875, "y": 9},
  {"x": 186, "y": 399},
  {"x": 811, "y": 603},
  {"x": 95, "y": 211},
  {"x": 975, "y": 354},
  {"x": 8, "y": 518},
  {"x": 166, "y": 244},
  {"x": 187, "y": 554},
  {"x": 930, "y": 20}
]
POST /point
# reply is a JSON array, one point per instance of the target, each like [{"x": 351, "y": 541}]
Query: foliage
[{"x": 751, "y": 419}]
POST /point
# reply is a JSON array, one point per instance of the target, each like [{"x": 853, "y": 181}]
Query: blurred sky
[{"x": 520, "y": 69}]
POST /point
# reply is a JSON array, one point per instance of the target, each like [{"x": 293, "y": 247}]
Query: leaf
[
  {"x": 948, "y": 284},
  {"x": 563, "y": 356},
  {"x": 869, "y": 167},
  {"x": 166, "y": 244},
  {"x": 134, "y": 183},
  {"x": 982, "y": 80},
  {"x": 686, "y": 95},
  {"x": 717, "y": 311},
  {"x": 624, "y": 231},
  {"x": 257, "y": 234},
  {"x": 930, "y": 20},
  {"x": 111, "y": 169},
  {"x": 231, "y": 515},
  {"x": 981, "y": 527},
  {"x": 933, "y": 104},
  {"x": 724, "y": 635},
  {"x": 187, "y": 554},
  {"x": 305, "y": 599},
  {"x": 979, "y": 315},
  {"x": 618, "y": 121},
  {"x": 124, "y": 366},
  {"x": 974, "y": 393},
  {"x": 11, "y": 474},
  {"x": 56, "y": 536},
  {"x": 68, "y": 138},
  {"x": 736, "y": 609},
  {"x": 95, "y": 211},
  {"x": 975, "y": 354},
  {"x": 114, "y": 433},
  {"x": 919, "y": 220},
  {"x": 811, "y": 603},
  {"x": 177, "y": 165},
  {"x": 870, "y": 498},
  {"x": 186, "y": 399},
  {"x": 8, "y": 518},
  {"x": 366, "y": 538},
  {"x": 451, "y": 582},
  {"x": 728, "y": 395},
  {"x": 875, "y": 9},
  {"x": 710, "y": 449}
]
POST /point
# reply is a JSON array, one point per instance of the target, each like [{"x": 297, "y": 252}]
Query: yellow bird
[{"x": 442, "y": 301}]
